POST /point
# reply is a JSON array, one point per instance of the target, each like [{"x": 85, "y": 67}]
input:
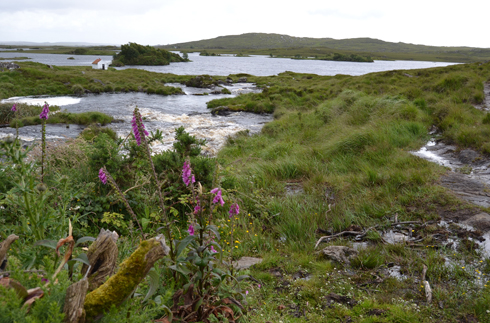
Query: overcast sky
[{"x": 151, "y": 22}]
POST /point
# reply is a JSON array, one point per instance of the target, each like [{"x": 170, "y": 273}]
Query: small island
[
  {"x": 135, "y": 54},
  {"x": 338, "y": 57}
]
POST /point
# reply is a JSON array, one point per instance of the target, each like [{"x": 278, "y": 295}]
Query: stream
[{"x": 164, "y": 113}]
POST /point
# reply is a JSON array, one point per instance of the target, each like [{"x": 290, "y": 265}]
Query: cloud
[
  {"x": 352, "y": 14},
  {"x": 128, "y": 6}
]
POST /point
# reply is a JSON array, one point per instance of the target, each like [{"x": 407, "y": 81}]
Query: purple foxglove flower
[
  {"x": 213, "y": 250},
  {"x": 218, "y": 197},
  {"x": 191, "y": 230},
  {"x": 14, "y": 108},
  {"x": 186, "y": 173},
  {"x": 234, "y": 210},
  {"x": 136, "y": 131},
  {"x": 197, "y": 208},
  {"x": 44, "y": 112},
  {"x": 102, "y": 176}
]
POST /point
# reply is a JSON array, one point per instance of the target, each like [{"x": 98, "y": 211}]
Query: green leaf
[
  {"x": 84, "y": 239},
  {"x": 242, "y": 277},
  {"x": 82, "y": 258},
  {"x": 198, "y": 304},
  {"x": 145, "y": 222},
  {"x": 215, "y": 231},
  {"x": 46, "y": 243},
  {"x": 154, "y": 281},
  {"x": 183, "y": 244}
]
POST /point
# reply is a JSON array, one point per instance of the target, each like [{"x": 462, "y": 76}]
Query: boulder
[
  {"x": 242, "y": 80},
  {"x": 8, "y": 66},
  {"x": 339, "y": 254},
  {"x": 221, "y": 111},
  {"x": 202, "y": 81},
  {"x": 246, "y": 262},
  {"x": 468, "y": 156}
]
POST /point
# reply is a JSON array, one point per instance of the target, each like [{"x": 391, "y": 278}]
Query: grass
[
  {"x": 38, "y": 79},
  {"x": 346, "y": 142}
]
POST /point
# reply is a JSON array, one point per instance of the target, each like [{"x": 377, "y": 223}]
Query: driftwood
[
  {"x": 102, "y": 256},
  {"x": 428, "y": 290},
  {"x": 75, "y": 297},
  {"x": 358, "y": 235},
  {"x": 4, "y": 248},
  {"x": 131, "y": 272}
]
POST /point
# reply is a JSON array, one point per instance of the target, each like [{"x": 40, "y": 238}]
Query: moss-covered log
[
  {"x": 102, "y": 256},
  {"x": 131, "y": 272}
]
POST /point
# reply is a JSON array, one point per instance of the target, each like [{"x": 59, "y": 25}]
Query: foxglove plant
[
  {"x": 14, "y": 109},
  {"x": 140, "y": 135},
  {"x": 43, "y": 116},
  {"x": 105, "y": 177}
]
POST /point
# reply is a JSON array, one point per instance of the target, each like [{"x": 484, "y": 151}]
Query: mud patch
[{"x": 485, "y": 105}]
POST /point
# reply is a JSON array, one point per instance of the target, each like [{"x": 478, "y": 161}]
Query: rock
[
  {"x": 480, "y": 221},
  {"x": 246, "y": 262},
  {"x": 242, "y": 80},
  {"x": 340, "y": 254},
  {"x": 221, "y": 111},
  {"x": 334, "y": 298},
  {"x": 99, "y": 81},
  {"x": 229, "y": 80},
  {"x": 50, "y": 66},
  {"x": 468, "y": 156},
  {"x": 202, "y": 81},
  {"x": 8, "y": 66}
]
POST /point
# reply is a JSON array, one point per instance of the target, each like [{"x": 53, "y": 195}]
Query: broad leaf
[
  {"x": 183, "y": 244},
  {"x": 154, "y": 281},
  {"x": 47, "y": 243},
  {"x": 84, "y": 239},
  {"x": 82, "y": 258}
]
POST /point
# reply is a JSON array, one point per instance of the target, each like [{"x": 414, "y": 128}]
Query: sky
[{"x": 152, "y": 22}]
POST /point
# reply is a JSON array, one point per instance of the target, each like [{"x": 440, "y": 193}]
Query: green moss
[{"x": 117, "y": 288}]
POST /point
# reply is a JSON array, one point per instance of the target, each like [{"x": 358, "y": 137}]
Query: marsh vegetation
[{"x": 336, "y": 158}]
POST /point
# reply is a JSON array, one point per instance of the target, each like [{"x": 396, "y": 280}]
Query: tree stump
[
  {"x": 102, "y": 256},
  {"x": 4, "y": 248},
  {"x": 131, "y": 272},
  {"x": 74, "y": 300}
]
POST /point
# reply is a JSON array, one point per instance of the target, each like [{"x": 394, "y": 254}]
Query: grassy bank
[
  {"x": 67, "y": 50},
  {"x": 39, "y": 79},
  {"x": 336, "y": 158}
]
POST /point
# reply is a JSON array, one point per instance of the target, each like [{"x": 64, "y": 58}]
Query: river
[{"x": 166, "y": 113}]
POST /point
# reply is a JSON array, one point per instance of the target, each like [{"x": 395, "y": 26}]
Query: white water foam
[{"x": 59, "y": 101}]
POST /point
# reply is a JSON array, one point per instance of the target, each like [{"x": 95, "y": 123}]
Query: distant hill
[
  {"x": 72, "y": 44},
  {"x": 260, "y": 42}
]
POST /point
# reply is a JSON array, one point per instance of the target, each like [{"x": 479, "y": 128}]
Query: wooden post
[
  {"x": 4, "y": 248},
  {"x": 74, "y": 300},
  {"x": 102, "y": 256}
]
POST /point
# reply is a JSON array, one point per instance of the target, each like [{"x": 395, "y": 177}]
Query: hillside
[{"x": 261, "y": 43}]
